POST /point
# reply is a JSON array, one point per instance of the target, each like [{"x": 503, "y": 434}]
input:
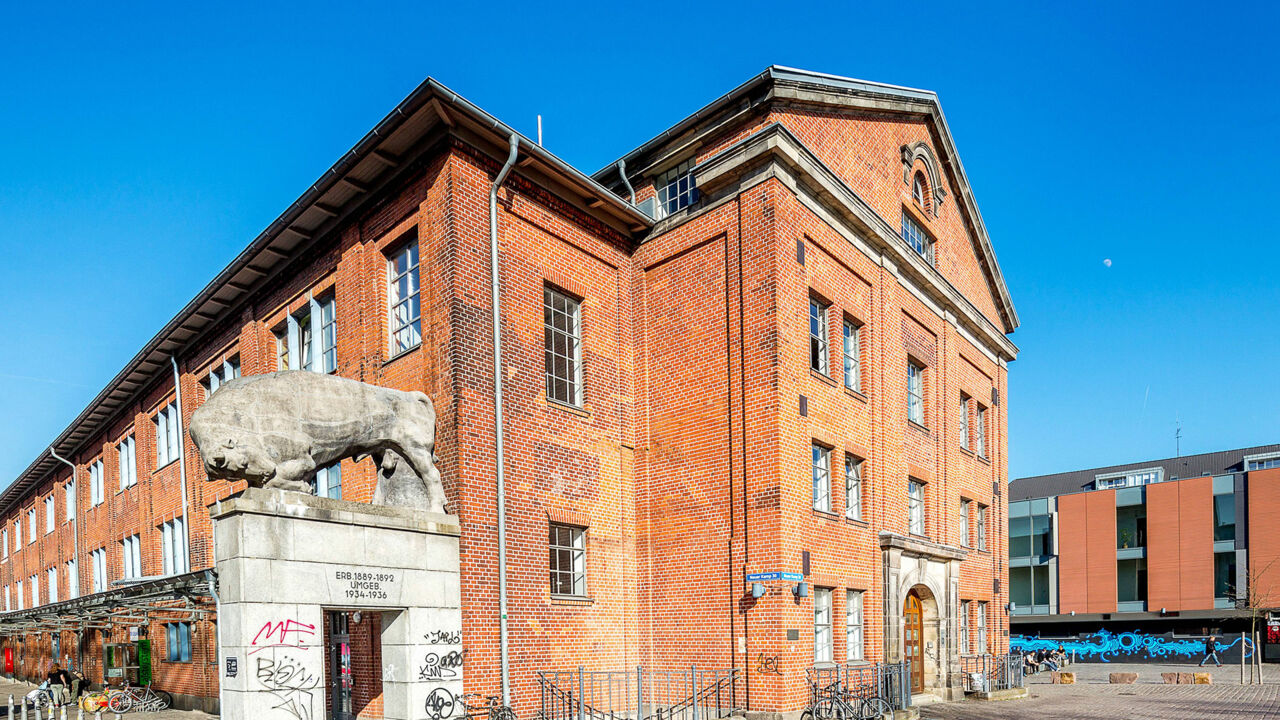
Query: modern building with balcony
[{"x": 1170, "y": 547}]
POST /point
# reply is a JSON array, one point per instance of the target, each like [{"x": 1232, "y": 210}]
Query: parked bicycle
[
  {"x": 836, "y": 703},
  {"x": 139, "y": 699},
  {"x": 491, "y": 709}
]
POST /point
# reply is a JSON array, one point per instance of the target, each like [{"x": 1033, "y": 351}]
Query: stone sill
[{"x": 286, "y": 503}]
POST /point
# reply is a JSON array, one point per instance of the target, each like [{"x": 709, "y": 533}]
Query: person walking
[
  {"x": 1211, "y": 651},
  {"x": 59, "y": 681}
]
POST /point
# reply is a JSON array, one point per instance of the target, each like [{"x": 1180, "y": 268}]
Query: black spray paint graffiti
[
  {"x": 441, "y": 667},
  {"x": 444, "y": 637},
  {"x": 440, "y": 704},
  {"x": 290, "y": 683},
  {"x": 767, "y": 665}
]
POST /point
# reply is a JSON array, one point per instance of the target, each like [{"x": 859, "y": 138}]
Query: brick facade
[{"x": 689, "y": 461}]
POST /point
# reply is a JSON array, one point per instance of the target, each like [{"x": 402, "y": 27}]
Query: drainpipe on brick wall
[
  {"x": 182, "y": 463},
  {"x": 622, "y": 173},
  {"x": 75, "y": 519},
  {"x": 494, "y": 286}
]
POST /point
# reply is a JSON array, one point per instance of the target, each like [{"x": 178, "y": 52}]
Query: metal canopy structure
[{"x": 174, "y": 598}]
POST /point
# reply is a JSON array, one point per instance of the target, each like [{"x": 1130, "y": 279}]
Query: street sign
[{"x": 775, "y": 575}]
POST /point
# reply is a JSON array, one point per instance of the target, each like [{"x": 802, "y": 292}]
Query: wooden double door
[{"x": 913, "y": 640}]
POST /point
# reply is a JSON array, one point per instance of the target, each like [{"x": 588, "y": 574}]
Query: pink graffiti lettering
[{"x": 282, "y": 633}]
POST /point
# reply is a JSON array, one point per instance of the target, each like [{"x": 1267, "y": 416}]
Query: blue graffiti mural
[{"x": 1103, "y": 646}]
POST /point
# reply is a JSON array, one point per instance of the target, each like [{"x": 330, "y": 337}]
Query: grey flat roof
[{"x": 1187, "y": 466}]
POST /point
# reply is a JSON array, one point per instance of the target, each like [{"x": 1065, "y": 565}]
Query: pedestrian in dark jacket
[{"x": 1211, "y": 651}]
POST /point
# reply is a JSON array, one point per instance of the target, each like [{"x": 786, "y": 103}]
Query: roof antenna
[
  {"x": 539, "y": 130},
  {"x": 1177, "y": 439}
]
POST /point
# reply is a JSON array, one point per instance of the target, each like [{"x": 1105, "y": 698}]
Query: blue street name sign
[{"x": 764, "y": 576}]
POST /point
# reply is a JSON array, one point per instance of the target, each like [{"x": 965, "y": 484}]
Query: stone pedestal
[{"x": 285, "y": 558}]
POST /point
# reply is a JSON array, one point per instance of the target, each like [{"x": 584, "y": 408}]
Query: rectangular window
[
  {"x": 964, "y": 627},
  {"x": 1131, "y": 580},
  {"x": 6, "y": 543},
  {"x": 817, "y": 336},
  {"x": 177, "y": 641},
  {"x": 917, "y": 238},
  {"x": 562, "y": 345},
  {"x": 980, "y": 432},
  {"x": 676, "y": 188},
  {"x": 95, "y": 483},
  {"x": 166, "y": 436},
  {"x": 852, "y": 356},
  {"x": 131, "y": 558},
  {"x": 22, "y": 599},
  {"x": 1030, "y": 536},
  {"x": 328, "y": 481},
  {"x": 964, "y": 523},
  {"x": 8, "y": 600},
  {"x": 308, "y": 338},
  {"x": 853, "y": 487},
  {"x": 69, "y": 499},
  {"x": 1131, "y": 526},
  {"x": 981, "y": 527},
  {"x": 964, "y": 421},
  {"x": 822, "y": 625},
  {"x": 1224, "y": 575},
  {"x": 34, "y": 582},
  {"x": 915, "y": 507},
  {"x": 73, "y": 580},
  {"x": 31, "y": 526},
  {"x": 1224, "y": 517},
  {"x": 17, "y": 535},
  {"x": 50, "y": 515},
  {"x": 982, "y": 628},
  {"x": 568, "y": 559},
  {"x": 821, "y": 478},
  {"x": 915, "y": 393},
  {"x": 99, "y": 558},
  {"x": 853, "y": 624},
  {"x": 221, "y": 374},
  {"x": 403, "y": 299},
  {"x": 1261, "y": 461},
  {"x": 173, "y": 541},
  {"x": 51, "y": 582}
]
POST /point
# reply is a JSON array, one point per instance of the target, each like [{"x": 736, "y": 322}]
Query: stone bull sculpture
[{"x": 274, "y": 430}]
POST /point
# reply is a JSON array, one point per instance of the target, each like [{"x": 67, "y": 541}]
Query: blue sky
[{"x": 143, "y": 146}]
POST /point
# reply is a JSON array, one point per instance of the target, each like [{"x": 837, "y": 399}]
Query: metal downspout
[
  {"x": 75, "y": 519},
  {"x": 494, "y": 286},
  {"x": 182, "y": 464},
  {"x": 622, "y": 173}
]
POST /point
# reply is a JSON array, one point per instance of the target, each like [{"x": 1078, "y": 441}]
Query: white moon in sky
[{"x": 1107, "y": 262}]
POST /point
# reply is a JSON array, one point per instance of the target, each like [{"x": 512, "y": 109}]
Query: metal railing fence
[
  {"x": 890, "y": 681},
  {"x": 637, "y": 694},
  {"x": 988, "y": 673}
]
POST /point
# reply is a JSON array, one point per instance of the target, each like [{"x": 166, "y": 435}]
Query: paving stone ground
[
  {"x": 1093, "y": 697},
  {"x": 19, "y": 690}
]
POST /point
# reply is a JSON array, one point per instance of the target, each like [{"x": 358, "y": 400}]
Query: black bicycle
[
  {"x": 835, "y": 703},
  {"x": 491, "y": 709}
]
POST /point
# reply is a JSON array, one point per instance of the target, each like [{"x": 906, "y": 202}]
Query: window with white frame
[
  {"x": 964, "y": 522},
  {"x": 173, "y": 547},
  {"x": 915, "y": 507},
  {"x": 131, "y": 558},
  {"x": 31, "y": 526},
  {"x": 328, "y": 481},
  {"x": 308, "y": 338},
  {"x": 964, "y": 627},
  {"x": 127, "y": 455},
  {"x": 822, "y": 651},
  {"x": 982, "y": 627},
  {"x": 676, "y": 188},
  {"x": 8, "y": 600},
  {"x": 403, "y": 299},
  {"x": 981, "y": 527},
  {"x": 852, "y": 356},
  {"x": 51, "y": 583},
  {"x": 980, "y": 432},
  {"x": 817, "y": 336},
  {"x": 853, "y": 486},
  {"x": 915, "y": 392},
  {"x": 917, "y": 238},
  {"x": 69, "y": 499},
  {"x": 95, "y": 483},
  {"x": 167, "y": 426},
  {"x": 562, "y": 346},
  {"x": 6, "y": 543},
  {"x": 918, "y": 186},
  {"x": 17, "y": 534},
  {"x": 99, "y": 559},
  {"x": 22, "y": 598},
  {"x": 34, "y": 583},
  {"x": 177, "y": 641},
  {"x": 567, "y": 547},
  {"x": 1130, "y": 478},
  {"x": 73, "y": 580},
  {"x": 1261, "y": 461},
  {"x": 50, "y": 515},
  {"x": 964, "y": 421},
  {"x": 821, "y": 478},
  {"x": 221, "y": 374},
  {"x": 853, "y": 624}
]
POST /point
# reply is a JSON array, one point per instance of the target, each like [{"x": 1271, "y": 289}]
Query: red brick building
[{"x": 773, "y": 339}]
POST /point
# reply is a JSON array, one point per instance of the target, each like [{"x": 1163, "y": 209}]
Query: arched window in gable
[{"x": 920, "y": 190}]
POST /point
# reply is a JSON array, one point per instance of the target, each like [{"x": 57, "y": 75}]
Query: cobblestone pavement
[
  {"x": 1149, "y": 699},
  {"x": 18, "y": 690}
]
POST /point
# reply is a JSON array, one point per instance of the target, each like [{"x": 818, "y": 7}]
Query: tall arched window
[{"x": 919, "y": 190}]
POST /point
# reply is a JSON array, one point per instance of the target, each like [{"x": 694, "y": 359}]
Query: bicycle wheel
[
  {"x": 166, "y": 700},
  {"x": 40, "y": 701},
  {"x": 874, "y": 708},
  {"x": 120, "y": 702},
  {"x": 830, "y": 709}
]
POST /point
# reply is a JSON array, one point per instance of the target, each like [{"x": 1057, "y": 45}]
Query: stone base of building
[{"x": 324, "y": 602}]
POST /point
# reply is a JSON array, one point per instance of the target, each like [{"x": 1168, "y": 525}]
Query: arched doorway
[{"x": 913, "y": 639}]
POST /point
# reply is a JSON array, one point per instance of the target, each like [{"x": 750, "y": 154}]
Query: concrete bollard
[
  {"x": 24, "y": 708},
  {"x": 39, "y": 713},
  {"x": 63, "y": 713}
]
